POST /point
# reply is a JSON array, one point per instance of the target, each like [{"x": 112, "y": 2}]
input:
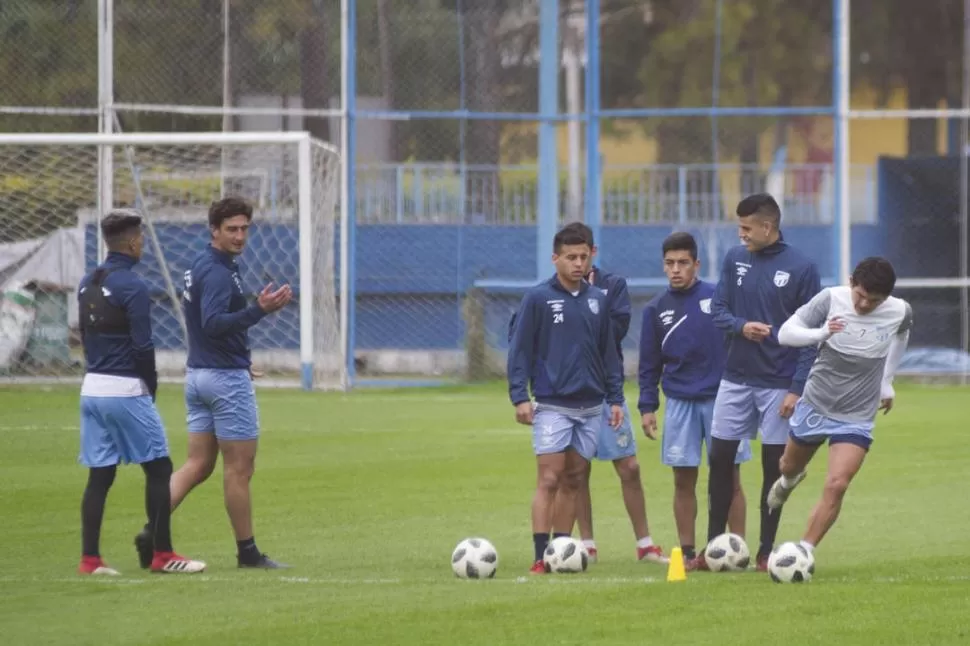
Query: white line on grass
[
  {"x": 343, "y": 582},
  {"x": 35, "y": 428}
]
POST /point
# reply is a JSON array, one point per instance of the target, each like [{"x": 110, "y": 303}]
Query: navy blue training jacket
[
  {"x": 563, "y": 348},
  {"x": 125, "y": 354},
  {"x": 766, "y": 286},
  {"x": 217, "y": 315},
  {"x": 680, "y": 347}
]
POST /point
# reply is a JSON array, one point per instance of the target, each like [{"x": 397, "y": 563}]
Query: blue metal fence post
[
  {"x": 593, "y": 163},
  {"x": 350, "y": 153},
  {"x": 547, "y": 216},
  {"x": 841, "y": 220}
]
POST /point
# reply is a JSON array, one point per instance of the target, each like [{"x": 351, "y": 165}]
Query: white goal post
[{"x": 50, "y": 206}]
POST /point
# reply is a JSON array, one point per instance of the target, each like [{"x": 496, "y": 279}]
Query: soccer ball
[
  {"x": 791, "y": 563},
  {"x": 474, "y": 558},
  {"x": 565, "y": 554},
  {"x": 727, "y": 553}
]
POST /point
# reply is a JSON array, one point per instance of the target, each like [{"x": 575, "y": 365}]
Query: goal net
[{"x": 55, "y": 188}]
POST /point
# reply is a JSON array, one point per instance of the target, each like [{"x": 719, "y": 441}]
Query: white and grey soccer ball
[
  {"x": 565, "y": 555},
  {"x": 727, "y": 553},
  {"x": 474, "y": 558},
  {"x": 791, "y": 563}
]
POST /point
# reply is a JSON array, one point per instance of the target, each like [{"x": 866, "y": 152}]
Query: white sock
[
  {"x": 807, "y": 545},
  {"x": 645, "y": 542},
  {"x": 787, "y": 482},
  {"x": 589, "y": 544}
]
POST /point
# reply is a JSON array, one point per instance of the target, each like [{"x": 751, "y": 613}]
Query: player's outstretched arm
[
  {"x": 138, "y": 305},
  {"x": 217, "y": 320},
  {"x": 809, "y": 286},
  {"x": 521, "y": 352},
  {"x": 807, "y": 326},
  {"x": 796, "y": 333},
  {"x": 721, "y": 312},
  {"x": 651, "y": 363}
]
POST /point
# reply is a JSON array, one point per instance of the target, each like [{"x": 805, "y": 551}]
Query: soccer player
[
  {"x": 863, "y": 332},
  {"x": 219, "y": 392},
  {"x": 762, "y": 282},
  {"x": 564, "y": 351},
  {"x": 613, "y": 445},
  {"x": 681, "y": 347},
  {"x": 119, "y": 421}
]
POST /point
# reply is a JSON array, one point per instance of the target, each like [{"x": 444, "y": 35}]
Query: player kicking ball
[
  {"x": 863, "y": 332},
  {"x": 563, "y": 350}
]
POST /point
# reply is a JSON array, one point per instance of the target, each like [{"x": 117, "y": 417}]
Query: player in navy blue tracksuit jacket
[
  {"x": 617, "y": 445},
  {"x": 763, "y": 282},
  {"x": 220, "y": 399},
  {"x": 119, "y": 421},
  {"x": 563, "y": 350},
  {"x": 683, "y": 350}
]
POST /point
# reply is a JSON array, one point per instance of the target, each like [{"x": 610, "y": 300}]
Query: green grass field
[{"x": 367, "y": 494}]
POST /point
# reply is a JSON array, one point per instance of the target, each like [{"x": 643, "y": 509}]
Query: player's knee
[
  {"x": 685, "y": 480},
  {"x": 835, "y": 486},
  {"x": 571, "y": 478},
  {"x": 102, "y": 477},
  {"x": 548, "y": 480},
  {"x": 628, "y": 470},
  {"x": 199, "y": 468},
  {"x": 722, "y": 454},
  {"x": 160, "y": 469},
  {"x": 240, "y": 467}
]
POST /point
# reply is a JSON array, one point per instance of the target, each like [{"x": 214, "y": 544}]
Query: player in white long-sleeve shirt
[{"x": 863, "y": 332}]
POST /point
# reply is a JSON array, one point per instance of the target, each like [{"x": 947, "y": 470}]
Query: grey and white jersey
[{"x": 845, "y": 382}]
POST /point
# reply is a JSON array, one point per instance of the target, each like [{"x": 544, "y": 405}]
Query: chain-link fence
[
  {"x": 910, "y": 100},
  {"x": 469, "y": 128}
]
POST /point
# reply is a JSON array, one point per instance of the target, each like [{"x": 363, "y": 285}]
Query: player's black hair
[
  {"x": 228, "y": 207},
  {"x": 582, "y": 229},
  {"x": 118, "y": 225},
  {"x": 762, "y": 205},
  {"x": 875, "y": 275},
  {"x": 681, "y": 241},
  {"x": 571, "y": 235}
]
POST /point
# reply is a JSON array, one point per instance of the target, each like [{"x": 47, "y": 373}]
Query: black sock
[
  {"x": 688, "y": 551},
  {"x": 720, "y": 484},
  {"x": 248, "y": 551},
  {"x": 92, "y": 508},
  {"x": 158, "y": 502},
  {"x": 771, "y": 471},
  {"x": 540, "y": 541}
]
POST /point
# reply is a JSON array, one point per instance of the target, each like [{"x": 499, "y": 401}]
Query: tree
[
  {"x": 771, "y": 54},
  {"x": 915, "y": 45}
]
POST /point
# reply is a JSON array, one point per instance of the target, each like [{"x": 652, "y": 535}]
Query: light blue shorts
[
  {"x": 615, "y": 443},
  {"x": 222, "y": 402},
  {"x": 687, "y": 427},
  {"x": 117, "y": 430},
  {"x": 811, "y": 428},
  {"x": 741, "y": 411},
  {"x": 554, "y": 431}
]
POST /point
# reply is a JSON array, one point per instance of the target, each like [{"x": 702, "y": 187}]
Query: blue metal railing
[{"x": 442, "y": 193}]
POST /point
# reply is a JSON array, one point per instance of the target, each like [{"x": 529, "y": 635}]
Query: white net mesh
[{"x": 49, "y": 238}]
